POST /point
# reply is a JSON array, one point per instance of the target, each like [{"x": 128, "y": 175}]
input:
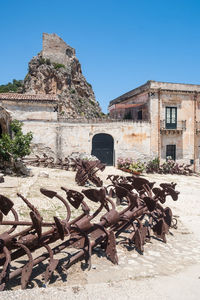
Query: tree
[
  {"x": 13, "y": 86},
  {"x": 16, "y": 145}
]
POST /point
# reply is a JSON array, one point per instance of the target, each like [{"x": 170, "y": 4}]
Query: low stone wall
[{"x": 131, "y": 139}]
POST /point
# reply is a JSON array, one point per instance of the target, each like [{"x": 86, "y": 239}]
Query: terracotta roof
[{"x": 28, "y": 97}]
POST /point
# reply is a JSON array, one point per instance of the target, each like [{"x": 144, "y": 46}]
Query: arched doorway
[{"x": 103, "y": 148}]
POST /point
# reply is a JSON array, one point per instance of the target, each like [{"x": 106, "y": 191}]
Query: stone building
[
  {"x": 55, "y": 49},
  {"x": 173, "y": 113},
  {"x": 24, "y": 107},
  {"x": 59, "y": 136},
  {"x": 163, "y": 121}
]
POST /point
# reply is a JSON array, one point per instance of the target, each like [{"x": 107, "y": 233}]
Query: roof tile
[{"x": 28, "y": 97}]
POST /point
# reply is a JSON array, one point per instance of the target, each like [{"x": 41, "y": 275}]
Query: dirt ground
[{"x": 164, "y": 271}]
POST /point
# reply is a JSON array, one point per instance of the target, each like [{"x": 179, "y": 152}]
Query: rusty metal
[
  {"x": 86, "y": 171},
  {"x": 142, "y": 213},
  {"x": 66, "y": 163},
  {"x": 1, "y": 178},
  {"x": 49, "y": 162}
]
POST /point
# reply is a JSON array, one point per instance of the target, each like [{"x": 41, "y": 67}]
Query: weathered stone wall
[
  {"x": 174, "y": 86},
  {"x": 55, "y": 49},
  {"x": 28, "y": 110},
  {"x": 175, "y": 139},
  {"x": 184, "y": 141},
  {"x": 45, "y": 135},
  {"x": 131, "y": 139},
  {"x": 155, "y": 132},
  {"x": 141, "y": 98}
]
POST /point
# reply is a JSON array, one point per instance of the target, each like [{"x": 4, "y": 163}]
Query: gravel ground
[{"x": 165, "y": 271}]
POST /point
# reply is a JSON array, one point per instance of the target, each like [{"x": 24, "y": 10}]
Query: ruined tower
[{"x": 56, "y": 70}]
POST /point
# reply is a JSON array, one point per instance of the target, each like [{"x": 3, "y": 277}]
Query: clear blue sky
[{"x": 120, "y": 44}]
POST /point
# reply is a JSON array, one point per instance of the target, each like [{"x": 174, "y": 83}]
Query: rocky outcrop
[{"x": 56, "y": 70}]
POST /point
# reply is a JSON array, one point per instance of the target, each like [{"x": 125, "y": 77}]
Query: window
[
  {"x": 127, "y": 115},
  {"x": 69, "y": 52},
  {"x": 171, "y": 152},
  {"x": 1, "y": 131},
  {"x": 139, "y": 116},
  {"x": 171, "y": 117}
]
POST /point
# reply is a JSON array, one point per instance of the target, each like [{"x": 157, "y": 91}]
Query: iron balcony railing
[{"x": 179, "y": 125}]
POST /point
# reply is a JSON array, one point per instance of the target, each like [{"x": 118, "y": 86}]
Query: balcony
[{"x": 172, "y": 128}]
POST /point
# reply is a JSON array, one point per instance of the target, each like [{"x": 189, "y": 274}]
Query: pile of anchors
[
  {"x": 141, "y": 217},
  {"x": 49, "y": 162}
]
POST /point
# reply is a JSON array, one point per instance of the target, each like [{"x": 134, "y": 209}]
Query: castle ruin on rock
[{"x": 57, "y": 71}]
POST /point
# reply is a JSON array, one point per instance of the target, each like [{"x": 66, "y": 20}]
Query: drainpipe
[
  {"x": 159, "y": 145},
  {"x": 195, "y": 129}
]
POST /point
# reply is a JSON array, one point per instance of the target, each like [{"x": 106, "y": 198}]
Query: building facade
[
  {"x": 173, "y": 111},
  {"x": 59, "y": 136},
  {"x": 156, "y": 119}
]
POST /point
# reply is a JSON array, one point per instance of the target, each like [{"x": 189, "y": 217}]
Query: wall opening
[
  {"x": 171, "y": 152},
  {"x": 139, "y": 115},
  {"x": 1, "y": 130},
  {"x": 103, "y": 148}
]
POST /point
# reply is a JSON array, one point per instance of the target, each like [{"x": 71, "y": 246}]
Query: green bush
[
  {"x": 58, "y": 66},
  {"x": 92, "y": 102},
  {"x": 48, "y": 62},
  {"x": 42, "y": 60},
  {"x": 17, "y": 145},
  {"x": 137, "y": 166},
  {"x": 130, "y": 165},
  {"x": 153, "y": 165},
  {"x": 89, "y": 85},
  {"x": 26, "y": 77}
]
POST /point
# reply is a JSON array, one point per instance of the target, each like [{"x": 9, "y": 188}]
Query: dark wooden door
[
  {"x": 171, "y": 151},
  {"x": 102, "y": 148}
]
